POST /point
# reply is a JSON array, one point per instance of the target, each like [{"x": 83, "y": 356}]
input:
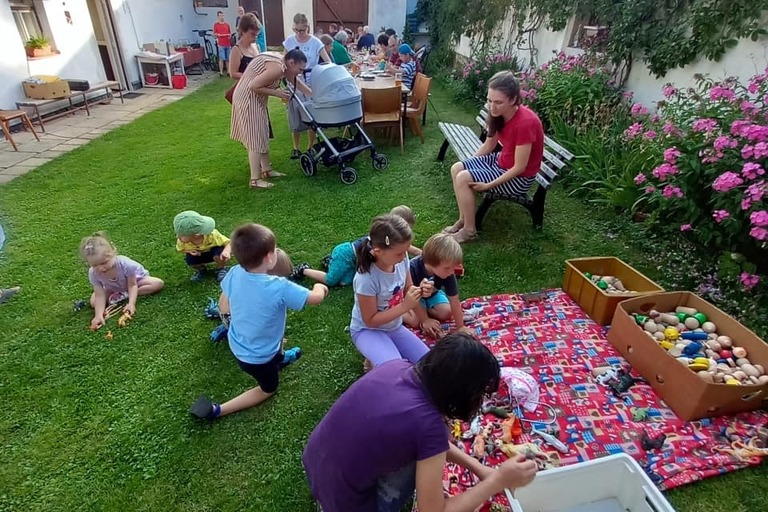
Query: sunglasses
[{"x": 300, "y": 30}]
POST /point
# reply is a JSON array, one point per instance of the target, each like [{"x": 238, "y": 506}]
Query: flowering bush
[
  {"x": 472, "y": 83},
  {"x": 710, "y": 180}
]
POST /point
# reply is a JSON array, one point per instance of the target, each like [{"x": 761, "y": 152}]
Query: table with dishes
[{"x": 382, "y": 80}]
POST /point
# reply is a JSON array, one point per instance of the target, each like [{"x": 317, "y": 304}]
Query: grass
[{"x": 103, "y": 425}]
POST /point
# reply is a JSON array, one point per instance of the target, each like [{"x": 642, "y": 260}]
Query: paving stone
[{"x": 11, "y": 158}]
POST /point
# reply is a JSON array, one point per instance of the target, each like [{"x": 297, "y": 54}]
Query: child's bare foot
[
  {"x": 455, "y": 227},
  {"x": 367, "y": 366}
]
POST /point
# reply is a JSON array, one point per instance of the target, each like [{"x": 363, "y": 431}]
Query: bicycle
[{"x": 211, "y": 56}]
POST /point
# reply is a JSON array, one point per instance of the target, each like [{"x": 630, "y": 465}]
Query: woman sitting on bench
[{"x": 508, "y": 172}]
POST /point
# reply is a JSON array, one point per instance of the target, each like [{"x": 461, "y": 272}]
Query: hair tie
[{"x": 386, "y": 241}]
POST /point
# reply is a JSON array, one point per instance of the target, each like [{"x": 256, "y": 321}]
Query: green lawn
[{"x": 103, "y": 425}]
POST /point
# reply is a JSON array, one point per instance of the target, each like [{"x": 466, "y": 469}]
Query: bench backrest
[{"x": 556, "y": 157}]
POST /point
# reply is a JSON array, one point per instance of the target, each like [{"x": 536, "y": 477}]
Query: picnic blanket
[{"x": 554, "y": 341}]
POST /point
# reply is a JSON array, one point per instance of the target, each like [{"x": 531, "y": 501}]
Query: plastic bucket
[
  {"x": 179, "y": 81},
  {"x": 152, "y": 78}
]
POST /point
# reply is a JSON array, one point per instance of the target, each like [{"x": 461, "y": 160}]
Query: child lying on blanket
[{"x": 434, "y": 272}]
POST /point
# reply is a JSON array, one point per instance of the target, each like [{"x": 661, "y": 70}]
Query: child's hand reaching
[
  {"x": 97, "y": 322},
  {"x": 431, "y": 328},
  {"x": 427, "y": 288},
  {"x": 412, "y": 297},
  {"x": 130, "y": 309}
]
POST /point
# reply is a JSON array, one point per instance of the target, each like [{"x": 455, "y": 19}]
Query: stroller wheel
[
  {"x": 348, "y": 176},
  {"x": 380, "y": 162},
  {"x": 308, "y": 164}
]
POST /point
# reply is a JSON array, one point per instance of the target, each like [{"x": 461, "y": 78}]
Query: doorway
[
  {"x": 109, "y": 50},
  {"x": 271, "y": 17},
  {"x": 351, "y": 13}
]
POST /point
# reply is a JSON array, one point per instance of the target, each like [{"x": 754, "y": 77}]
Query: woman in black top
[{"x": 245, "y": 49}]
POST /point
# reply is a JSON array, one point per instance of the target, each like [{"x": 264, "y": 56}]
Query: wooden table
[{"x": 384, "y": 82}]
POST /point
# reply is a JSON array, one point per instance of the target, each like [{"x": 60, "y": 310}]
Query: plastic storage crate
[
  {"x": 615, "y": 483},
  {"x": 598, "y": 304}
]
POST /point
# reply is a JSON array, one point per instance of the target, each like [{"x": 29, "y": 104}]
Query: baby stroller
[{"x": 336, "y": 103}]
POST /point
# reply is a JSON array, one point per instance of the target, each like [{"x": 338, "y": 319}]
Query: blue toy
[
  {"x": 212, "y": 309},
  {"x": 693, "y": 335},
  {"x": 692, "y": 349},
  {"x": 219, "y": 333}
]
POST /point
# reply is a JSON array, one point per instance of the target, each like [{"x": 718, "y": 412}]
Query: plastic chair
[
  {"x": 9, "y": 115},
  {"x": 419, "y": 98},
  {"x": 382, "y": 108}
]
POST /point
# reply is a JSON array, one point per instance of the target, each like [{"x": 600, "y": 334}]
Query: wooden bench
[
  {"x": 70, "y": 107},
  {"x": 465, "y": 143}
]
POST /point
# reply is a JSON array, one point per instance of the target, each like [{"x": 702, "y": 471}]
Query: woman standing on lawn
[
  {"x": 510, "y": 171},
  {"x": 386, "y": 436},
  {"x": 250, "y": 119}
]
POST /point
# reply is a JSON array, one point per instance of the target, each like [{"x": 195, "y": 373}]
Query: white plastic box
[{"x": 615, "y": 483}]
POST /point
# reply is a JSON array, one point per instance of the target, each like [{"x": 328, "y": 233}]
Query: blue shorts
[
  {"x": 224, "y": 53},
  {"x": 436, "y": 299},
  {"x": 204, "y": 257},
  {"x": 342, "y": 267}
]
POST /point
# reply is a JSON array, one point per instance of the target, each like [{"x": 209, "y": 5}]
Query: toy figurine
[
  {"x": 625, "y": 381},
  {"x": 652, "y": 443},
  {"x": 78, "y": 305},
  {"x": 212, "y": 309},
  {"x": 496, "y": 411},
  {"x": 639, "y": 413}
]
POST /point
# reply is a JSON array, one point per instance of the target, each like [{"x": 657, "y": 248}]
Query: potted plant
[{"x": 37, "y": 47}]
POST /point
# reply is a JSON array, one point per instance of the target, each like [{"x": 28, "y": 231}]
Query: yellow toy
[{"x": 671, "y": 334}]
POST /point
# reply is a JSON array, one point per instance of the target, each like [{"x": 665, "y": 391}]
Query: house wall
[
  {"x": 78, "y": 52},
  {"x": 291, "y": 8},
  {"x": 743, "y": 61},
  {"x": 139, "y": 22},
  {"x": 387, "y": 14}
]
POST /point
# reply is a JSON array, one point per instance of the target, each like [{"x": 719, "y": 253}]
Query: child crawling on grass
[
  {"x": 257, "y": 303},
  {"x": 342, "y": 262},
  {"x": 114, "y": 277}
]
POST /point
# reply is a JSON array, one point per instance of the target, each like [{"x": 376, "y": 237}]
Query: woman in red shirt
[{"x": 512, "y": 170}]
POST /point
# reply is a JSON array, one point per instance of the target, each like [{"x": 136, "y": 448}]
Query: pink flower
[
  {"x": 685, "y": 227},
  {"x": 628, "y": 95},
  {"x": 670, "y": 129},
  {"x": 664, "y": 171},
  {"x": 738, "y": 126},
  {"x": 724, "y": 142},
  {"x": 655, "y": 118},
  {"x": 746, "y": 203},
  {"x": 640, "y": 179},
  {"x": 749, "y": 281},
  {"x": 650, "y": 135},
  {"x": 633, "y": 131},
  {"x": 719, "y": 92},
  {"x": 752, "y": 170},
  {"x": 756, "y": 191},
  {"x": 671, "y": 154},
  {"x": 704, "y": 125},
  {"x": 638, "y": 109},
  {"x": 709, "y": 156},
  {"x": 668, "y": 91},
  {"x": 650, "y": 189},
  {"x": 755, "y": 133},
  {"x": 671, "y": 191},
  {"x": 759, "y": 150},
  {"x": 727, "y": 181},
  {"x": 759, "y": 233},
  {"x": 759, "y": 219},
  {"x": 747, "y": 107},
  {"x": 720, "y": 215}
]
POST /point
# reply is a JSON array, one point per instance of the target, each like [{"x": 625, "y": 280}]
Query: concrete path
[{"x": 69, "y": 132}]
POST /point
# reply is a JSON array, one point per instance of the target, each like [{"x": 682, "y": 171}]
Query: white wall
[
  {"x": 293, "y": 7},
  {"x": 78, "y": 52},
  {"x": 148, "y": 21},
  {"x": 387, "y": 14}
]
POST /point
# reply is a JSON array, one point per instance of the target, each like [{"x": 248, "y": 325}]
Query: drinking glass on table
[{"x": 398, "y": 79}]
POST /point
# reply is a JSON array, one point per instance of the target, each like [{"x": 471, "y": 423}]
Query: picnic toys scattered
[
  {"x": 609, "y": 284},
  {"x": 689, "y": 336},
  {"x": 111, "y": 311},
  {"x": 124, "y": 319}
]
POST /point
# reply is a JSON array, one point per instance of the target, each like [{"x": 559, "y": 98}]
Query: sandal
[
  {"x": 463, "y": 235},
  {"x": 271, "y": 174},
  {"x": 261, "y": 184},
  {"x": 454, "y": 228}
]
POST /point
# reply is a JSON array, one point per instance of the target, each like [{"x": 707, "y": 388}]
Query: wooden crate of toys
[
  {"x": 599, "y": 284},
  {"x": 699, "y": 360}
]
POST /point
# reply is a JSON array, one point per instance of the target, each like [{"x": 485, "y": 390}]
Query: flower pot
[{"x": 39, "y": 52}]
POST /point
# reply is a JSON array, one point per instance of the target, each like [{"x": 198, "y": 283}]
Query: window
[
  {"x": 586, "y": 32},
  {"x": 27, "y": 22},
  {"x": 215, "y": 3}
]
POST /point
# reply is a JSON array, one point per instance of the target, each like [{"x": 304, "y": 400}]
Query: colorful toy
[
  {"x": 496, "y": 411},
  {"x": 78, "y": 305},
  {"x": 108, "y": 336},
  {"x": 551, "y": 441},
  {"x": 652, "y": 443},
  {"x": 124, "y": 319},
  {"x": 639, "y": 413},
  {"x": 511, "y": 428},
  {"x": 212, "y": 309}
]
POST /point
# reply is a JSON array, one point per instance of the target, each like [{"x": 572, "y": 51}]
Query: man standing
[{"x": 222, "y": 32}]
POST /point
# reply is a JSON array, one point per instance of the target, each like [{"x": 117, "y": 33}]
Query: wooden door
[
  {"x": 271, "y": 18},
  {"x": 352, "y": 13}
]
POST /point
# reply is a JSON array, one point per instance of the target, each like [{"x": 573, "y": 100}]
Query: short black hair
[
  {"x": 219, "y": 12},
  {"x": 390, "y": 32},
  {"x": 251, "y": 243},
  {"x": 295, "y": 55},
  {"x": 383, "y": 39},
  {"x": 457, "y": 373}
]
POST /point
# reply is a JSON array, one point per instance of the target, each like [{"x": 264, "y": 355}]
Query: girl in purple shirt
[
  {"x": 114, "y": 278},
  {"x": 387, "y": 436}
]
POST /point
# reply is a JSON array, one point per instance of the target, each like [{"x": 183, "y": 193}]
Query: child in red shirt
[{"x": 222, "y": 31}]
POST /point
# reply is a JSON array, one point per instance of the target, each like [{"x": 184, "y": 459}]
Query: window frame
[{"x": 26, "y": 6}]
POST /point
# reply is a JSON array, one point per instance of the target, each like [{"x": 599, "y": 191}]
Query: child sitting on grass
[
  {"x": 434, "y": 272},
  {"x": 384, "y": 293},
  {"x": 342, "y": 262},
  {"x": 201, "y": 243},
  {"x": 114, "y": 278},
  {"x": 257, "y": 304}
]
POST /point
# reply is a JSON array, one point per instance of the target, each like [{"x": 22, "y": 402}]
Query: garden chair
[
  {"x": 382, "y": 108},
  {"x": 418, "y": 105},
  {"x": 6, "y": 116}
]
